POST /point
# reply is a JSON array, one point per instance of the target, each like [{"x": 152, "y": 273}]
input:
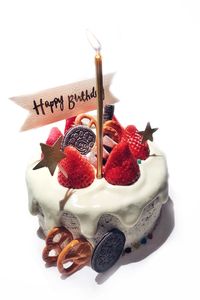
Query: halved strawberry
[
  {"x": 121, "y": 167},
  {"x": 75, "y": 170},
  {"x": 134, "y": 139}
]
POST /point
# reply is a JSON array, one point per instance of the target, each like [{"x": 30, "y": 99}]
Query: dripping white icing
[{"x": 89, "y": 204}]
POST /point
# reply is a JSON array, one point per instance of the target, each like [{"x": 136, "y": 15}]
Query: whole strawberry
[
  {"x": 134, "y": 139},
  {"x": 75, "y": 170},
  {"x": 69, "y": 123},
  {"x": 121, "y": 167},
  {"x": 54, "y": 135}
]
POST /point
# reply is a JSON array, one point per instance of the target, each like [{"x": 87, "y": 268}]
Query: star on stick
[
  {"x": 52, "y": 156},
  {"x": 147, "y": 134},
  {"x": 65, "y": 199}
]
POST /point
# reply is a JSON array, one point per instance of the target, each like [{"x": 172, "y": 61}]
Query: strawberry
[
  {"x": 54, "y": 135},
  {"x": 134, "y": 139},
  {"x": 69, "y": 123},
  {"x": 119, "y": 124},
  {"x": 121, "y": 167},
  {"x": 116, "y": 120},
  {"x": 75, "y": 170}
]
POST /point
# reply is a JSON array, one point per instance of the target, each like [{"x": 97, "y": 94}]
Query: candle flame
[{"x": 94, "y": 42}]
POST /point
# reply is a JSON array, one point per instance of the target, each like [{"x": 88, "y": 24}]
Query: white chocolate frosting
[{"x": 88, "y": 204}]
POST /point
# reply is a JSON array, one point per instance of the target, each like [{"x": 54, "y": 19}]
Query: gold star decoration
[
  {"x": 147, "y": 134},
  {"x": 52, "y": 156}
]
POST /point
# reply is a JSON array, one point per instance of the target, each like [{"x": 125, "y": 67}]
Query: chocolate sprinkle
[
  {"x": 108, "y": 250},
  {"x": 81, "y": 137}
]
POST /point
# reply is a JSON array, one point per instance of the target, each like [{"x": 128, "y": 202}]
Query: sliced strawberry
[
  {"x": 134, "y": 139},
  {"x": 75, "y": 170},
  {"x": 69, "y": 123},
  {"x": 54, "y": 135},
  {"x": 121, "y": 167}
]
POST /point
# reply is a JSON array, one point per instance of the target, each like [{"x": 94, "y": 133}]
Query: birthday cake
[{"x": 92, "y": 221}]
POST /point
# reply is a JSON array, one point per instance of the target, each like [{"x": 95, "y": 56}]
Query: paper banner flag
[{"x": 62, "y": 102}]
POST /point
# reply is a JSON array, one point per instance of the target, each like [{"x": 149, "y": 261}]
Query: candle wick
[
  {"x": 94, "y": 42},
  {"x": 98, "y": 54}
]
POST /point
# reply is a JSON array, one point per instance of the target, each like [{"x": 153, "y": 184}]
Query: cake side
[{"x": 127, "y": 204}]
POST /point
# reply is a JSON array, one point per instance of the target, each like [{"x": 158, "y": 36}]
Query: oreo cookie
[
  {"x": 108, "y": 250},
  {"x": 81, "y": 137}
]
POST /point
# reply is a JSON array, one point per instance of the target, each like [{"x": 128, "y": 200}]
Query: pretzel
[
  {"x": 112, "y": 133},
  {"x": 62, "y": 235},
  {"x": 114, "y": 127},
  {"x": 91, "y": 119},
  {"x": 56, "y": 240},
  {"x": 51, "y": 259},
  {"x": 78, "y": 252},
  {"x": 113, "y": 130}
]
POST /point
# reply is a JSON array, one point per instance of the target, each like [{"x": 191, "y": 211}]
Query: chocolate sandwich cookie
[
  {"x": 108, "y": 250},
  {"x": 81, "y": 137}
]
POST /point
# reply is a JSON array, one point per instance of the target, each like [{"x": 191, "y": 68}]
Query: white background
[{"x": 155, "y": 48}]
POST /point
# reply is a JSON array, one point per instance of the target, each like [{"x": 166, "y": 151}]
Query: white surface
[{"x": 155, "y": 47}]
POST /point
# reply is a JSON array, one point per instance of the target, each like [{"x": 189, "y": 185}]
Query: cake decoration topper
[
  {"x": 56, "y": 237},
  {"x": 52, "y": 156},
  {"x": 147, "y": 134},
  {"x": 100, "y": 97},
  {"x": 81, "y": 137},
  {"x": 91, "y": 121},
  {"x": 78, "y": 253},
  {"x": 108, "y": 112},
  {"x": 62, "y": 102}
]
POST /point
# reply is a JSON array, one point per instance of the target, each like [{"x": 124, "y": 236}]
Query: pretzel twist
[
  {"x": 56, "y": 240},
  {"x": 62, "y": 235},
  {"x": 80, "y": 117},
  {"x": 78, "y": 252},
  {"x": 113, "y": 130},
  {"x": 51, "y": 259}
]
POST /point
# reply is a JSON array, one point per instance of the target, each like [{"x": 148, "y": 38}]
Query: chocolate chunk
[
  {"x": 108, "y": 250},
  {"x": 81, "y": 137},
  {"x": 108, "y": 112}
]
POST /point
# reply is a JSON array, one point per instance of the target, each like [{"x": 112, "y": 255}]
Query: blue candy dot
[{"x": 143, "y": 241}]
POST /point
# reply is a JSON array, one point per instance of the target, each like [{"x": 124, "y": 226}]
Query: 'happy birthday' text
[{"x": 58, "y": 102}]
